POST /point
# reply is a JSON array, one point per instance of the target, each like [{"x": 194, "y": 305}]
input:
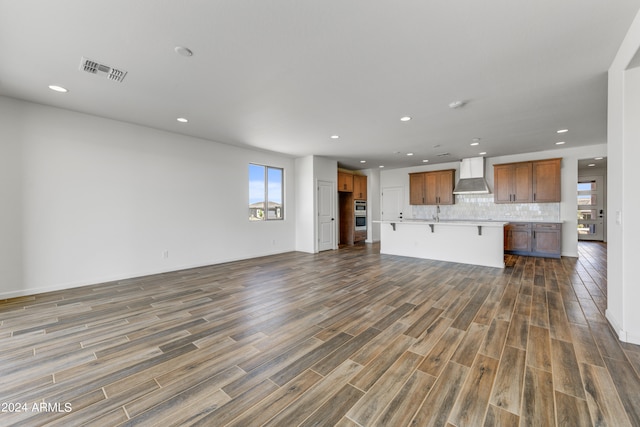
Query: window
[{"x": 266, "y": 193}]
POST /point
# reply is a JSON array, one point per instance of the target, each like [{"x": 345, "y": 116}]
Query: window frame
[{"x": 265, "y": 182}]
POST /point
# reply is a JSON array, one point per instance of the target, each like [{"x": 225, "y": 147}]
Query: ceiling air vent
[{"x": 94, "y": 67}]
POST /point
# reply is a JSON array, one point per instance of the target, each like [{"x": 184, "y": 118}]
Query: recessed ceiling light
[
  {"x": 381, "y": 166},
  {"x": 409, "y": 154},
  {"x": 591, "y": 164},
  {"x": 182, "y": 120},
  {"x": 183, "y": 51},
  {"x": 58, "y": 89},
  {"x": 598, "y": 158},
  {"x": 483, "y": 153},
  {"x": 475, "y": 143},
  {"x": 335, "y": 136},
  {"x": 425, "y": 161},
  {"x": 456, "y": 104},
  {"x": 562, "y": 131},
  {"x": 363, "y": 161},
  {"x": 405, "y": 119},
  {"x": 560, "y": 142}
]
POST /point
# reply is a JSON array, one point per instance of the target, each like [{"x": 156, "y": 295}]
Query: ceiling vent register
[{"x": 94, "y": 67}]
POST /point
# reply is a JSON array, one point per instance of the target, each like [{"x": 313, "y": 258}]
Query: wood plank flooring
[{"x": 340, "y": 338}]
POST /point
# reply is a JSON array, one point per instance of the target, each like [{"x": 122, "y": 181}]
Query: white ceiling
[{"x": 285, "y": 75}]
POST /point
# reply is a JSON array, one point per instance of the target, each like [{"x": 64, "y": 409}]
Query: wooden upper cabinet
[
  {"x": 546, "y": 181},
  {"x": 359, "y": 187},
  {"x": 512, "y": 183},
  {"x": 439, "y": 187},
  {"x": 432, "y": 188},
  {"x": 345, "y": 182},
  {"x": 417, "y": 189},
  {"x": 527, "y": 182}
]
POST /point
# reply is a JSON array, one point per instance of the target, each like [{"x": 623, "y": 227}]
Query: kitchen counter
[{"x": 478, "y": 242}]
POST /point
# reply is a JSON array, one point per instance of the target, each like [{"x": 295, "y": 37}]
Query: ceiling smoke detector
[{"x": 94, "y": 67}]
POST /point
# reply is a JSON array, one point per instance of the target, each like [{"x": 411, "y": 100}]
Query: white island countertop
[{"x": 478, "y": 242}]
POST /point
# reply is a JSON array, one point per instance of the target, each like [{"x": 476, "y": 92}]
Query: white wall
[
  {"x": 623, "y": 133},
  {"x": 11, "y": 206},
  {"x": 309, "y": 170},
  {"x": 373, "y": 204},
  {"x": 306, "y": 205},
  {"x": 87, "y": 200}
]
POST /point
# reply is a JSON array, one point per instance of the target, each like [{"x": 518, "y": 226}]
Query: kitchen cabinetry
[
  {"x": 417, "y": 189},
  {"x": 517, "y": 237},
  {"x": 432, "y": 188},
  {"x": 533, "y": 239},
  {"x": 346, "y": 219},
  {"x": 546, "y": 181},
  {"x": 351, "y": 187},
  {"x": 345, "y": 182},
  {"x": 359, "y": 187},
  {"x": 527, "y": 182},
  {"x": 546, "y": 240}
]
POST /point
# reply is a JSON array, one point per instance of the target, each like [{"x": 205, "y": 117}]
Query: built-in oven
[{"x": 360, "y": 214}]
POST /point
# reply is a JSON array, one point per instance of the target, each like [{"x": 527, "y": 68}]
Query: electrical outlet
[{"x": 165, "y": 254}]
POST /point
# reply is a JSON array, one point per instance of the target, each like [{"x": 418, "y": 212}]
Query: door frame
[{"x": 334, "y": 233}]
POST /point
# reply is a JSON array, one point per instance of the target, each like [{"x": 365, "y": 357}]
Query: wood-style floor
[{"x": 346, "y": 338}]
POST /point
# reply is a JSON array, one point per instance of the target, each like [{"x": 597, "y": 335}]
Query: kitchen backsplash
[{"x": 481, "y": 206}]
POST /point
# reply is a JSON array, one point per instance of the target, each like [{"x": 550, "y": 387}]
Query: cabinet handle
[{"x": 534, "y": 197}]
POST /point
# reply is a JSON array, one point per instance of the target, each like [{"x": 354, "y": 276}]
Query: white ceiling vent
[{"x": 94, "y": 67}]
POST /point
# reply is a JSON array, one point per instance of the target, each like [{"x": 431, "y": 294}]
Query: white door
[
  {"x": 392, "y": 203},
  {"x": 326, "y": 216},
  {"x": 591, "y": 215}
]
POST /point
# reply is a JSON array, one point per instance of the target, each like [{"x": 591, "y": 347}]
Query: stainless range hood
[{"x": 472, "y": 177}]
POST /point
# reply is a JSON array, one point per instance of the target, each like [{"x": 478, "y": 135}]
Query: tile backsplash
[{"x": 481, "y": 206}]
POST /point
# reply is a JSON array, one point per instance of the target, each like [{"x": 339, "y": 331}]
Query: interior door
[
  {"x": 326, "y": 216},
  {"x": 591, "y": 212},
  {"x": 392, "y": 203}
]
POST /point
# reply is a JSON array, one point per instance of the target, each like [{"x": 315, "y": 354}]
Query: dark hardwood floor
[{"x": 345, "y": 338}]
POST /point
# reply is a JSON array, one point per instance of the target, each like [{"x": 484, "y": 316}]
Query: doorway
[
  {"x": 591, "y": 197},
  {"x": 392, "y": 203},
  {"x": 326, "y": 216}
]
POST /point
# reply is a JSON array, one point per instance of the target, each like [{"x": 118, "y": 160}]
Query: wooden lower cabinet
[
  {"x": 546, "y": 240},
  {"x": 540, "y": 239},
  {"x": 517, "y": 237}
]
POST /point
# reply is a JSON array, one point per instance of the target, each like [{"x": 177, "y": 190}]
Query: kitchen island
[{"x": 463, "y": 241}]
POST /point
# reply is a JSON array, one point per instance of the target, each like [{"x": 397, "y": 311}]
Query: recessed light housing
[
  {"x": 183, "y": 51},
  {"x": 562, "y": 130},
  {"x": 475, "y": 143},
  {"x": 456, "y": 104},
  {"x": 363, "y": 161},
  {"x": 409, "y": 154},
  {"x": 405, "y": 119},
  {"x": 381, "y": 166},
  {"x": 182, "y": 120},
  {"x": 335, "y": 136},
  {"x": 482, "y": 153},
  {"x": 58, "y": 88},
  {"x": 560, "y": 143},
  {"x": 425, "y": 161}
]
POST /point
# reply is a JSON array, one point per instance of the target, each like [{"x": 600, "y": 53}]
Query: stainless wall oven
[{"x": 360, "y": 214}]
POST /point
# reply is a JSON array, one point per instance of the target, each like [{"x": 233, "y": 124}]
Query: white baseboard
[{"x": 623, "y": 335}]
